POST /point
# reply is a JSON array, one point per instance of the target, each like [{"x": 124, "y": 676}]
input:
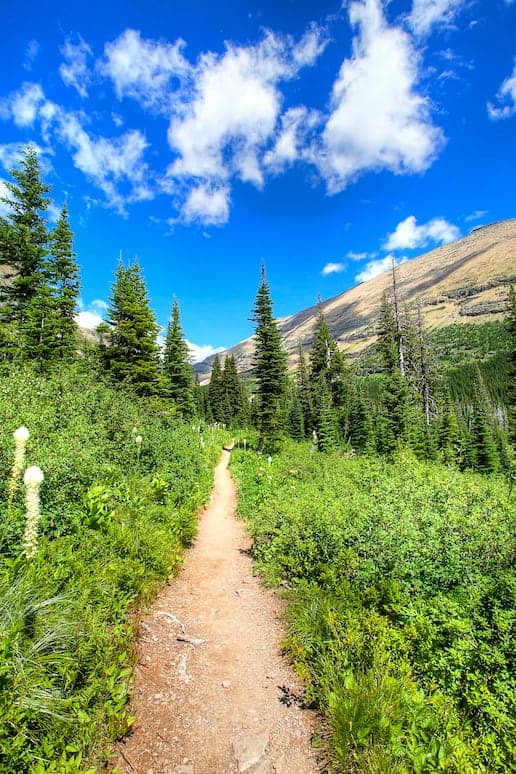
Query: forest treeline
[{"x": 454, "y": 414}]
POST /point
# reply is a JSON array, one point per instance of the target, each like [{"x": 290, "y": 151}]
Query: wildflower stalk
[
  {"x": 138, "y": 441},
  {"x": 21, "y": 436},
  {"x": 32, "y": 479}
]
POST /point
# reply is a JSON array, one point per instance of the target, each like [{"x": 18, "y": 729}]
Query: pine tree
[
  {"x": 482, "y": 451},
  {"x": 448, "y": 433},
  {"x": 132, "y": 353},
  {"x": 326, "y": 421},
  {"x": 296, "y": 425},
  {"x": 326, "y": 359},
  {"x": 270, "y": 365},
  {"x": 386, "y": 342},
  {"x": 216, "y": 396},
  {"x": 177, "y": 368},
  {"x": 323, "y": 351},
  {"x": 62, "y": 274},
  {"x": 361, "y": 428},
  {"x": 25, "y": 234},
  {"x": 304, "y": 393},
  {"x": 234, "y": 395}
]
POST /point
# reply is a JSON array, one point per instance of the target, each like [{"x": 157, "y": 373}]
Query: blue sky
[{"x": 205, "y": 137}]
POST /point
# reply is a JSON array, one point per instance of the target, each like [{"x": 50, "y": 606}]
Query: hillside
[{"x": 465, "y": 281}]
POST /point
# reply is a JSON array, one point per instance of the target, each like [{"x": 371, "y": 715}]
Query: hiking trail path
[{"x": 212, "y": 692}]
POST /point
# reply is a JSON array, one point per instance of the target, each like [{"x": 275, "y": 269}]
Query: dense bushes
[
  {"x": 115, "y": 514},
  {"x": 402, "y": 604}
]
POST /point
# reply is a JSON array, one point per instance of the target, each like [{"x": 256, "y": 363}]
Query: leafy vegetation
[
  {"x": 402, "y": 602},
  {"x": 115, "y": 513}
]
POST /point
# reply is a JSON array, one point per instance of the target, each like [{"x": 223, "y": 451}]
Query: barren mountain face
[{"x": 465, "y": 281}]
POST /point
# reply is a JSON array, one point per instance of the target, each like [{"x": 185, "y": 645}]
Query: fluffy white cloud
[
  {"x": 426, "y": 14},
  {"x": 296, "y": 124},
  {"x": 225, "y": 120},
  {"x": 373, "y": 268},
  {"x": 408, "y": 235},
  {"x": 377, "y": 120},
  {"x": 206, "y": 204},
  {"x": 115, "y": 165},
  {"x": 74, "y": 70},
  {"x": 92, "y": 315},
  {"x": 199, "y": 352},
  {"x": 23, "y": 105},
  {"x": 332, "y": 268},
  {"x": 143, "y": 69},
  {"x": 505, "y": 98}
]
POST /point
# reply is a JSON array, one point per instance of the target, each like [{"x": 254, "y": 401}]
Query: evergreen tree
[
  {"x": 326, "y": 359},
  {"x": 326, "y": 422},
  {"x": 62, "y": 274},
  {"x": 394, "y": 412},
  {"x": 448, "y": 433},
  {"x": 235, "y": 398},
  {"x": 361, "y": 428},
  {"x": 296, "y": 425},
  {"x": 270, "y": 364},
  {"x": 304, "y": 393},
  {"x": 132, "y": 353},
  {"x": 25, "y": 236},
  {"x": 177, "y": 368},
  {"x": 216, "y": 395},
  {"x": 482, "y": 453},
  {"x": 386, "y": 342},
  {"x": 323, "y": 351}
]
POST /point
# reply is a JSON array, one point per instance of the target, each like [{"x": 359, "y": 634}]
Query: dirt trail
[{"x": 207, "y": 695}]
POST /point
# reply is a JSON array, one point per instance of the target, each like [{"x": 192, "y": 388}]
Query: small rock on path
[{"x": 206, "y": 694}]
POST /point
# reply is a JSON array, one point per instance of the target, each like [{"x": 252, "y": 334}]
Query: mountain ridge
[{"x": 465, "y": 280}]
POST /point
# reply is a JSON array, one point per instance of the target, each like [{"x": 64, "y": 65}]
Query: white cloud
[
  {"x": 143, "y": 69},
  {"x": 377, "y": 119},
  {"x": 332, "y": 268},
  {"x": 23, "y": 105},
  {"x": 74, "y": 70},
  {"x": 359, "y": 256},
  {"x": 53, "y": 212},
  {"x": 5, "y": 209},
  {"x": 408, "y": 235},
  {"x": 92, "y": 315},
  {"x": 116, "y": 165},
  {"x": 373, "y": 268},
  {"x": 426, "y": 14},
  {"x": 476, "y": 215},
  {"x": 207, "y": 205},
  {"x": 200, "y": 352},
  {"x": 506, "y": 99},
  {"x": 31, "y": 53},
  {"x": 291, "y": 138},
  {"x": 228, "y": 116},
  {"x": 11, "y": 154}
]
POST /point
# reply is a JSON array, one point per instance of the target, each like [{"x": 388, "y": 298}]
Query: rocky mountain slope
[{"x": 465, "y": 281}]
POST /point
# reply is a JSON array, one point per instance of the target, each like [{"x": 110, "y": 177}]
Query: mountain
[{"x": 464, "y": 281}]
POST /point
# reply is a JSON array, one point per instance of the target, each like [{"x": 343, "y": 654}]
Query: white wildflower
[
  {"x": 21, "y": 436},
  {"x": 32, "y": 479}
]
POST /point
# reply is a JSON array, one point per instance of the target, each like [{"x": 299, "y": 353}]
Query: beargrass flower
[
  {"x": 21, "y": 435},
  {"x": 32, "y": 479}
]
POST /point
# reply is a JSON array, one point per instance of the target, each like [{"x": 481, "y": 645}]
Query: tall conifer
[
  {"x": 132, "y": 353},
  {"x": 177, "y": 368},
  {"x": 270, "y": 364}
]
